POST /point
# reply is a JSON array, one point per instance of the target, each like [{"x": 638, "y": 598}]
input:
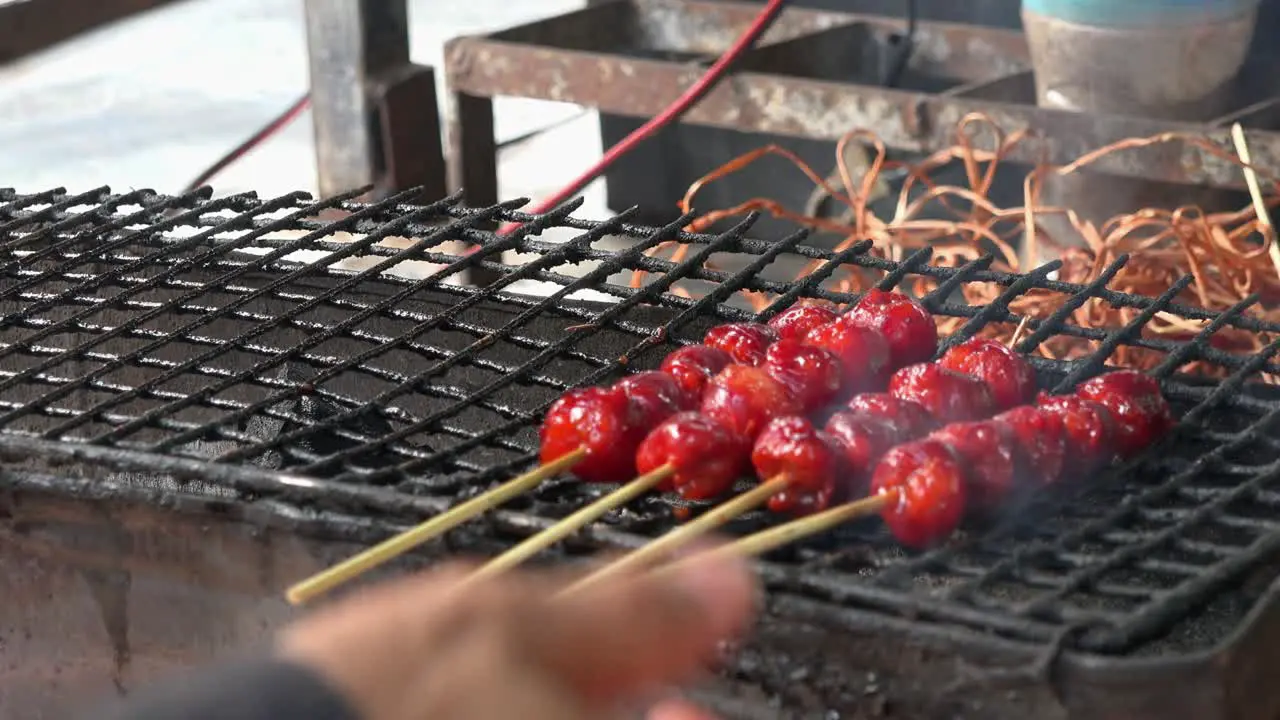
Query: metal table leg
[{"x": 376, "y": 113}]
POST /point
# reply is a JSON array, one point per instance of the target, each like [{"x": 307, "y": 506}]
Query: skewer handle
[
  {"x": 686, "y": 533},
  {"x": 377, "y": 555},
  {"x": 571, "y": 524},
  {"x": 789, "y": 532},
  {"x": 1255, "y": 194},
  {"x": 1018, "y": 331}
]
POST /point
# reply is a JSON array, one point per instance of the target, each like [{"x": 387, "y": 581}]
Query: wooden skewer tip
[
  {"x": 1018, "y": 331},
  {"x": 1255, "y": 193},
  {"x": 789, "y": 532},
  {"x": 433, "y": 527},
  {"x": 687, "y": 533},
  {"x": 574, "y": 522}
]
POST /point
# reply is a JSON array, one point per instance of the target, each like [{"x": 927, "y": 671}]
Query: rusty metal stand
[
  {"x": 473, "y": 149},
  {"x": 808, "y": 80},
  {"x": 376, "y": 114}
]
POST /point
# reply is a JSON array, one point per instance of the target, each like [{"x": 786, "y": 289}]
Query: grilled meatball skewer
[
  {"x": 737, "y": 405},
  {"x": 810, "y": 351},
  {"x": 920, "y": 487},
  {"x": 790, "y": 377},
  {"x": 800, "y": 465}
]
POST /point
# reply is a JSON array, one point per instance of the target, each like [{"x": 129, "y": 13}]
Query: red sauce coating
[
  {"x": 693, "y": 366},
  {"x": 862, "y": 440},
  {"x": 931, "y": 492},
  {"x": 813, "y": 375},
  {"x": 795, "y": 322},
  {"x": 744, "y": 399},
  {"x": 904, "y": 323},
  {"x": 654, "y": 396},
  {"x": 1136, "y": 404},
  {"x": 988, "y": 452},
  {"x": 1042, "y": 439},
  {"x": 910, "y": 419},
  {"x": 1007, "y": 374},
  {"x": 705, "y": 455},
  {"x": 792, "y": 445},
  {"x": 601, "y": 421},
  {"x": 864, "y": 353},
  {"x": 746, "y": 343},
  {"x": 948, "y": 396},
  {"x": 1090, "y": 432}
]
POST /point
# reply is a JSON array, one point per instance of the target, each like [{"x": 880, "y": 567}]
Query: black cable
[
  {"x": 268, "y": 131},
  {"x": 906, "y": 46},
  {"x": 531, "y": 134}
]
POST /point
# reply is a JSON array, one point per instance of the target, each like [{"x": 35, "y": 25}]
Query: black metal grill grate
[{"x": 184, "y": 337}]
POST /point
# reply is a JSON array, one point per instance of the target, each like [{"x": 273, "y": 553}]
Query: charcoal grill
[{"x": 194, "y": 412}]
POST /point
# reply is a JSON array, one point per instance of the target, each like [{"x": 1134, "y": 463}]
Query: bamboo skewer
[
  {"x": 688, "y": 532},
  {"x": 1255, "y": 194},
  {"x": 1018, "y": 331},
  {"x": 377, "y": 555},
  {"x": 789, "y": 532},
  {"x": 574, "y": 522}
]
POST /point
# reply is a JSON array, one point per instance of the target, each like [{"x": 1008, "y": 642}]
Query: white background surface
[{"x": 152, "y": 101}]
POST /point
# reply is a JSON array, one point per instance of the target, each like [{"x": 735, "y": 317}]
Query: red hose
[
  {"x": 668, "y": 116},
  {"x": 671, "y": 114}
]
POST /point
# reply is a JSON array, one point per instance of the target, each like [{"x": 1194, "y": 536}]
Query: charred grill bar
[{"x": 194, "y": 415}]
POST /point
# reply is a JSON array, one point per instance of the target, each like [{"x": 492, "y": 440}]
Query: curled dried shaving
[{"x": 1228, "y": 253}]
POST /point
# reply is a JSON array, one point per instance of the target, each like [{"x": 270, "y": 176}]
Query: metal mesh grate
[{"x": 189, "y": 338}]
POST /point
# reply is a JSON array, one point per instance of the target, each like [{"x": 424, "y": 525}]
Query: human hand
[{"x": 433, "y": 646}]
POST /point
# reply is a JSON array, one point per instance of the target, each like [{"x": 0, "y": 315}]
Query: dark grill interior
[{"x": 142, "y": 344}]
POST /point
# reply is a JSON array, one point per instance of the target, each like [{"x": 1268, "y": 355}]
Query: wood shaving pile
[{"x": 1230, "y": 254}]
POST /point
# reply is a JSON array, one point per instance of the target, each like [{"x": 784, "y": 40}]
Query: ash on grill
[{"x": 141, "y": 337}]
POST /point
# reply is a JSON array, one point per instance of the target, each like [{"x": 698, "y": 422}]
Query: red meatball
[
  {"x": 794, "y": 447},
  {"x": 863, "y": 353},
  {"x": 988, "y": 452},
  {"x": 861, "y": 440},
  {"x": 910, "y": 419},
  {"x": 655, "y": 396},
  {"x": 1090, "y": 432},
  {"x": 705, "y": 455},
  {"x": 929, "y": 483},
  {"x": 1042, "y": 439},
  {"x": 908, "y": 327},
  {"x": 1007, "y": 374},
  {"x": 744, "y": 399},
  {"x": 813, "y": 375},
  {"x": 948, "y": 396},
  {"x": 746, "y": 343},
  {"x": 693, "y": 365},
  {"x": 1140, "y": 411},
  {"x": 795, "y": 322},
  {"x": 602, "y": 422}
]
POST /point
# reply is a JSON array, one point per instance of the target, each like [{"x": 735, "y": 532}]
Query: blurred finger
[
  {"x": 679, "y": 710},
  {"x": 630, "y": 633}
]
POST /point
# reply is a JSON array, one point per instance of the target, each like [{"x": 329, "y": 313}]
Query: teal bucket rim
[{"x": 1148, "y": 13}]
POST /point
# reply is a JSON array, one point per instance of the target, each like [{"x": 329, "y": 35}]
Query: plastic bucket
[{"x": 1170, "y": 59}]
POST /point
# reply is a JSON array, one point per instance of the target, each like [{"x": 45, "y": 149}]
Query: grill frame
[{"x": 290, "y": 498}]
